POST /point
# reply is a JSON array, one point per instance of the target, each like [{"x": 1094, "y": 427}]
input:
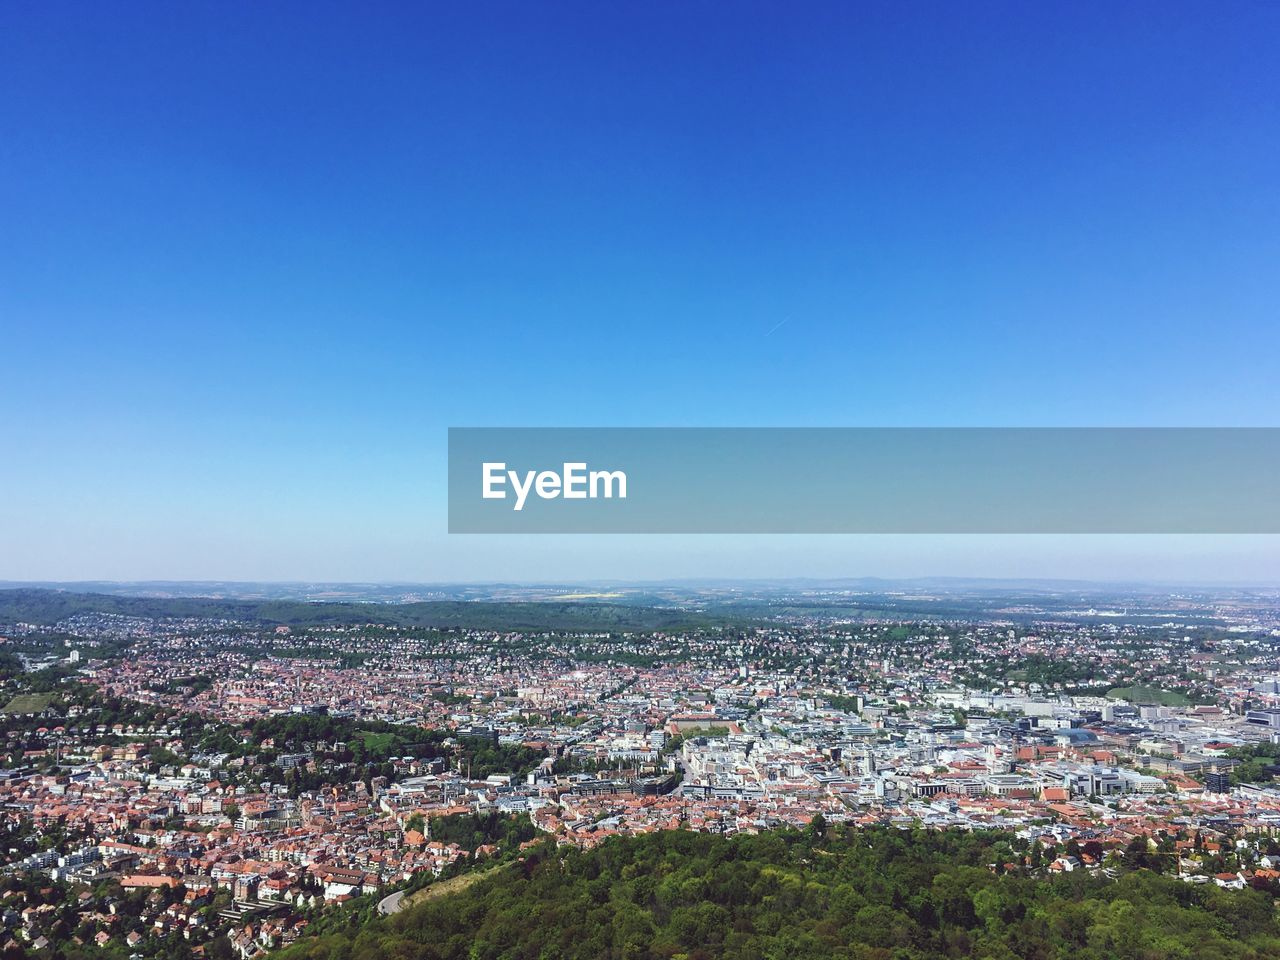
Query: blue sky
[{"x": 256, "y": 259}]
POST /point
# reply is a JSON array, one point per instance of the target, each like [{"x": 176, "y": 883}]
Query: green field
[
  {"x": 1166, "y": 698},
  {"x": 29, "y": 703},
  {"x": 377, "y": 742}
]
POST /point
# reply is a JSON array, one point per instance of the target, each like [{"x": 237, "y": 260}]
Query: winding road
[{"x": 391, "y": 903}]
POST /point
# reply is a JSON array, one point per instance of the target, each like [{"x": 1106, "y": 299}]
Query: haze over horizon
[
  {"x": 699, "y": 581},
  {"x": 1247, "y": 561}
]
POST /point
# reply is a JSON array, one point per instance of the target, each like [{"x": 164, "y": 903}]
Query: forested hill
[
  {"x": 50, "y": 606},
  {"x": 881, "y": 894}
]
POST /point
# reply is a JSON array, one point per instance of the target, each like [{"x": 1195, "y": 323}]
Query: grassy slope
[{"x": 29, "y": 703}]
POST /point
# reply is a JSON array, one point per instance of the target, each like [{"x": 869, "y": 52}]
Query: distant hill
[{"x": 50, "y": 606}]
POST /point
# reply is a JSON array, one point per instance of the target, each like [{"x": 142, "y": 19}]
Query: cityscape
[
  {"x": 230, "y": 783},
  {"x": 639, "y": 481}
]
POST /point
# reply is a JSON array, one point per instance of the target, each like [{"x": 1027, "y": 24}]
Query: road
[{"x": 390, "y": 904}]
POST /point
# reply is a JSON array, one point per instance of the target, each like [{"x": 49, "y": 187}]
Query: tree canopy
[{"x": 819, "y": 893}]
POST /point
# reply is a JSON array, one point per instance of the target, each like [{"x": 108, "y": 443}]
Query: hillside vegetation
[{"x": 881, "y": 894}]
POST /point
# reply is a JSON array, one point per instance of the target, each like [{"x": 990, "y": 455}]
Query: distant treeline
[
  {"x": 51, "y": 606},
  {"x": 979, "y": 607}
]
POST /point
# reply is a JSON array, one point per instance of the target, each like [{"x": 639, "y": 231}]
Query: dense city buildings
[{"x": 227, "y": 782}]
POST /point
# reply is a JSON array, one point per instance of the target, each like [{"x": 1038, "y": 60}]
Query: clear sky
[{"x": 256, "y": 258}]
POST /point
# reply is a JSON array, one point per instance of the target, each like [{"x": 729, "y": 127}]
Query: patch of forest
[{"x": 819, "y": 893}]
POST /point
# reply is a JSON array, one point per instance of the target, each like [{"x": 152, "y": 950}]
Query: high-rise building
[{"x": 1217, "y": 782}]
